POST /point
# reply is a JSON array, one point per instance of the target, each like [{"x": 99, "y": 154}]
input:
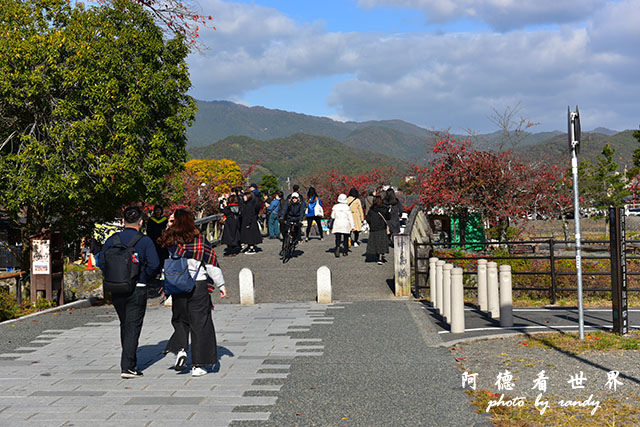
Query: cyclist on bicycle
[{"x": 292, "y": 212}]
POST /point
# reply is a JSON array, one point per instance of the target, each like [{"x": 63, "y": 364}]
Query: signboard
[
  {"x": 618, "y": 270},
  {"x": 41, "y": 257}
]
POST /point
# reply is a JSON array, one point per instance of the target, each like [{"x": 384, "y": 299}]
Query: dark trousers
[
  {"x": 130, "y": 309},
  {"x": 284, "y": 229},
  {"x": 356, "y": 236},
  {"x": 310, "y": 220},
  {"x": 344, "y": 237},
  {"x": 192, "y": 317}
]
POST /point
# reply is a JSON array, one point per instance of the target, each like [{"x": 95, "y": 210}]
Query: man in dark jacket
[
  {"x": 292, "y": 212},
  {"x": 131, "y": 307}
]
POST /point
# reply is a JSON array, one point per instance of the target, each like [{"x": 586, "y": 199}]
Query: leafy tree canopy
[
  {"x": 93, "y": 110},
  {"x": 269, "y": 184},
  {"x": 220, "y": 175}
]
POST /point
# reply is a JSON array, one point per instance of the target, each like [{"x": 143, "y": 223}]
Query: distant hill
[
  {"x": 591, "y": 145},
  {"x": 218, "y": 120},
  {"x": 297, "y": 155}
]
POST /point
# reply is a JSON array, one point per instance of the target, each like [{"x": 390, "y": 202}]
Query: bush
[{"x": 8, "y": 307}]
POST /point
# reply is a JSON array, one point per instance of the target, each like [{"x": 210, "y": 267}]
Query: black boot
[{"x": 337, "y": 252}]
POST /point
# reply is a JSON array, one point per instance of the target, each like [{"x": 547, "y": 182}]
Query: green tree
[
  {"x": 603, "y": 185},
  {"x": 635, "y": 170},
  {"x": 269, "y": 184},
  {"x": 93, "y": 111}
]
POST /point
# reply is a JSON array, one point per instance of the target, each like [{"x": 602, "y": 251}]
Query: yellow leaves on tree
[{"x": 222, "y": 174}]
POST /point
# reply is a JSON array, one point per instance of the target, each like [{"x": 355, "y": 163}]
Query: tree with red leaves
[
  {"x": 180, "y": 17},
  {"x": 496, "y": 184},
  {"x": 331, "y": 184}
]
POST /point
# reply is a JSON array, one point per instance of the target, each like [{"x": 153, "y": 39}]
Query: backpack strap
[{"x": 133, "y": 241}]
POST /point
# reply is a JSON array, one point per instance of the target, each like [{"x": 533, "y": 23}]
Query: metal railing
[
  {"x": 551, "y": 251},
  {"x": 211, "y": 226}
]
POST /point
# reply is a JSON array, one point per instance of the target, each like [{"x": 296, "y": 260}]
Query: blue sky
[{"x": 436, "y": 63}]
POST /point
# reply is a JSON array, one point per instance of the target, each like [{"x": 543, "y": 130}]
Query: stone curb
[{"x": 76, "y": 304}]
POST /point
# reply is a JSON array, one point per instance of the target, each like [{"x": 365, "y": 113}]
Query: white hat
[
  {"x": 342, "y": 198},
  {"x": 294, "y": 194}
]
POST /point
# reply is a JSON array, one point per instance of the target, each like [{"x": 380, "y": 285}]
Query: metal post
[
  {"x": 552, "y": 263},
  {"x": 574, "y": 136}
]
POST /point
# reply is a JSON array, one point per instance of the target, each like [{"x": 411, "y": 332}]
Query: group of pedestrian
[
  {"x": 241, "y": 213},
  {"x": 130, "y": 261}
]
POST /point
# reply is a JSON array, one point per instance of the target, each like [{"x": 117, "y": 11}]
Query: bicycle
[{"x": 289, "y": 244}]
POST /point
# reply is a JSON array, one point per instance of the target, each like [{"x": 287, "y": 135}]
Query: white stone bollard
[
  {"x": 324, "y": 285},
  {"x": 457, "y": 301},
  {"x": 439, "y": 265},
  {"x": 432, "y": 280},
  {"x": 446, "y": 291},
  {"x": 506, "y": 300},
  {"x": 493, "y": 300},
  {"x": 482, "y": 284},
  {"x": 247, "y": 292}
]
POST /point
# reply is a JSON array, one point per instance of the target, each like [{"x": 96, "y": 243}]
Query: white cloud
[
  {"x": 502, "y": 15},
  {"x": 445, "y": 80}
]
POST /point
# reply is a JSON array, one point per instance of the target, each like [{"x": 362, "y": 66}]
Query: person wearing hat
[
  {"x": 292, "y": 212},
  {"x": 342, "y": 224}
]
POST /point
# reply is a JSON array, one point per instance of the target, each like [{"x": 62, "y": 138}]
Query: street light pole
[{"x": 574, "y": 146}]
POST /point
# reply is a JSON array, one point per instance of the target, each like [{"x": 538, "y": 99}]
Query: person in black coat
[
  {"x": 377, "y": 218},
  {"x": 249, "y": 231},
  {"x": 394, "y": 207},
  {"x": 231, "y": 231}
]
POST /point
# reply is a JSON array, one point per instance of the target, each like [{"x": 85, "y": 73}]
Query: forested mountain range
[
  {"x": 218, "y": 120},
  {"x": 297, "y": 155}
]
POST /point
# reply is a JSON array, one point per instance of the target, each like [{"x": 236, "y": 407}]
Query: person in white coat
[{"x": 343, "y": 224}]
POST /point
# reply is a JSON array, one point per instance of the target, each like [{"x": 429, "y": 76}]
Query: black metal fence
[{"x": 548, "y": 252}]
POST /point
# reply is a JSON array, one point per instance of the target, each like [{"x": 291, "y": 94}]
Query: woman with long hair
[
  {"x": 354, "y": 203},
  {"x": 191, "y": 312},
  {"x": 377, "y": 217},
  {"x": 394, "y": 207},
  {"x": 313, "y": 212},
  {"x": 231, "y": 231}
]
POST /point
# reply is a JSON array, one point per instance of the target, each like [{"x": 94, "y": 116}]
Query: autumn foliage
[
  {"x": 333, "y": 183},
  {"x": 497, "y": 184}
]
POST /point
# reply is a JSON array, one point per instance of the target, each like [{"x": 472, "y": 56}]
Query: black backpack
[{"x": 121, "y": 266}]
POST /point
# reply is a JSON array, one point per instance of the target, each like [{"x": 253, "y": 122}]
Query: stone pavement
[{"x": 361, "y": 363}]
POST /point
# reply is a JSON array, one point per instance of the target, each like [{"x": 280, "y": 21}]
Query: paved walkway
[
  {"x": 362, "y": 363},
  {"x": 354, "y": 278}
]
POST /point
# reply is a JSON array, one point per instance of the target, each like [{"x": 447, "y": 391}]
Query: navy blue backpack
[{"x": 177, "y": 279}]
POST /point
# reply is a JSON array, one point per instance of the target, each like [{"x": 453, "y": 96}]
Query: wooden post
[{"x": 402, "y": 264}]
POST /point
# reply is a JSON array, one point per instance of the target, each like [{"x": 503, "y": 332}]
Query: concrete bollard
[
  {"x": 324, "y": 285},
  {"x": 432, "y": 280},
  {"x": 506, "y": 300},
  {"x": 457, "y": 301},
  {"x": 247, "y": 292},
  {"x": 482, "y": 284},
  {"x": 446, "y": 291},
  {"x": 493, "y": 301},
  {"x": 439, "y": 265}
]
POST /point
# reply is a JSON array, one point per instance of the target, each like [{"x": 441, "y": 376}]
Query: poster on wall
[{"x": 40, "y": 257}]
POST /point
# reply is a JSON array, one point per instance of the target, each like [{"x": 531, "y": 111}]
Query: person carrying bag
[{"x": 191, "y": 310}]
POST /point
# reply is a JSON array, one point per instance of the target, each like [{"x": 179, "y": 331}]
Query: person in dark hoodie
[
  {"x": 231, "y": 231},
  {"x": 249, "y": 231},
  {"x": 377, "y": 218},
  {"x": 292, "y": 212}
]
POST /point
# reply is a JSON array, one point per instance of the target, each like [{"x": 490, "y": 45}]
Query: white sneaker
[
  {"x": 181, "y": 361},
  {"x": 197, "y": 371},
  {"x": 355, "y": 244}
]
